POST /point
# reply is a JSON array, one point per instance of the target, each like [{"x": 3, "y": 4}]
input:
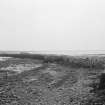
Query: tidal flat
[{"x": 38, "y": 79}]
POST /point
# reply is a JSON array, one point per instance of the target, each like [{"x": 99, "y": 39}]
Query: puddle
[
  {"x": 51, "y": 72},
  {"x": 21, "y": 67},
  {"x": 31, "y": 78},
  {"x": 54, "y": 73},
  {"x": 4, "y": 58}
]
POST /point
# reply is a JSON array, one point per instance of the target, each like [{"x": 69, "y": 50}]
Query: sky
[{"x": 52, "y": 25}]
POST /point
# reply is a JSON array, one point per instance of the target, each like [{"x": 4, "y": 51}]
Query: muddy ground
[{"x": 27, "y": 81}]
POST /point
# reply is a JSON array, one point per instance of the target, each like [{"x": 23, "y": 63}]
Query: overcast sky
[{"x": 52, "y": 25}]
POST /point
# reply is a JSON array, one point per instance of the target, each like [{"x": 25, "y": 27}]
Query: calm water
[
  {"x": 102, "y": 53},
  {"x": 68, "y": 52}
]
